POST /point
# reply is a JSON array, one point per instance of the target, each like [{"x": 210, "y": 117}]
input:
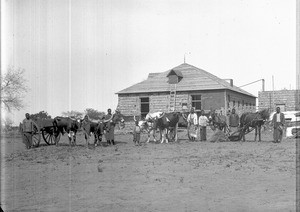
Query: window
[
  {"x": 144, "y": 107},
  {"x": 238, "y": 103},
  {"x": 233, "y": 103},
  {"x": 196, "y": 102}
]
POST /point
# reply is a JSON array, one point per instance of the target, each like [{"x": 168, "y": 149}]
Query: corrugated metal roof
[{"x": 193, "y": 79}]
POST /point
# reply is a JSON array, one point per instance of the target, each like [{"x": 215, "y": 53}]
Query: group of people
[
  {"x": 278, "y": 123},
  {"x": 28, "y": 129},
  {"x": 201, "y": 122}
]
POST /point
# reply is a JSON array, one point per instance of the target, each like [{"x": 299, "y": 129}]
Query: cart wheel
[
  {"x": 36, "y": 137},
  {"x": 50, "y": 136}
]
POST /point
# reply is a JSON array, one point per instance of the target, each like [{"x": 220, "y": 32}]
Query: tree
[
  {"x": 73, "y": 114},
  {"x": 8, "y": 122},
  {"x": 13, "y": 89},
  {"x": 94, "y": 114},
  {"x": 40, "y": 115}
]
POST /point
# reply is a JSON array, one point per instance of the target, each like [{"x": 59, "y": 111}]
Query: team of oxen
[
  {"x": 71, "y": 126},
  {"x": 165, "y": 123}
]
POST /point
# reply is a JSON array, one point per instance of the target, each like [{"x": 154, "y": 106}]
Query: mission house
[{"x": 181, "y": 88}]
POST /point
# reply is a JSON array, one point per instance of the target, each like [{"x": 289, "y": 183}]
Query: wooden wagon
[{"x": 44, "y": 128}]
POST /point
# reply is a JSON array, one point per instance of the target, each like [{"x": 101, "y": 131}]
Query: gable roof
[
  {"x": 194, "y": 79},
  {"x": 175, "y": 72}
]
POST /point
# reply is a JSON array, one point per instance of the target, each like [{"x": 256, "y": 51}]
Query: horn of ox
[
  {"x": 161, "y": 115},
  {"x": 105, "y": 121}
]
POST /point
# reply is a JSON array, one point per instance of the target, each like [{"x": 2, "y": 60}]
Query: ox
[
  {"x": 109, "y": 126},
  {"x": 92, "y": 126},
  {"x": 149, "y": 124},
  {"x": 168, "y": 123},
  {"x": 66, "y": 124}
]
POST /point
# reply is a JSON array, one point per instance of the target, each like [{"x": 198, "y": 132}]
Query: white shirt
[
  {"x": 203, "y": 120},
  {"x": 278, "y": 117},
  {"x": 192, "y": 118}
]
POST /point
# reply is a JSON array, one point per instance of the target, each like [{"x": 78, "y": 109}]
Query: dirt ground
[{"x": 182, "y": 176}]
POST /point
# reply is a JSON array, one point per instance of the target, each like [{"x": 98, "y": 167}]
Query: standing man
[
  {"x": 86, "y": 125},
  {"x": 234, "y": 121},
  {"x": 27, "y": 131},
  {"x": 203, "y": 121},
  {"x": 136, "y": 133},
  {"x": 110, "y": 129},
  {"x": 278, "y": 122}
]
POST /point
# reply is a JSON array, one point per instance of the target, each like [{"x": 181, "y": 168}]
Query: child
[{"x": 136, "y": 133}]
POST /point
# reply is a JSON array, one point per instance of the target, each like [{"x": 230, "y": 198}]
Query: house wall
[
  {"x": 209, "y": 99},
  {"x": 287, "y": 99},
  {"x": 240, "y": 102},
  {"x": 129, "y": 104}
]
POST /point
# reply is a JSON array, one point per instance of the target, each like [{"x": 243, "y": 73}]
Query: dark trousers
[
  {"x": 27, "y": 139},
  {"x": 136, "y": 138},
  {"x": 277, "y": 134},
  {"x": 202, "y": 133}
]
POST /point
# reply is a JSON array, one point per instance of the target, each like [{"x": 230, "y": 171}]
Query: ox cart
[
  {"x": 232, "y": 136},
  {"x": 242, "y": 131},
  {"x": 44, "y": 128}
]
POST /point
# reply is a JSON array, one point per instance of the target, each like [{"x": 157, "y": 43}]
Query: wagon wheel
[
  {"x": 50, "y": 136},
  {"x": 36, "y": 136}
]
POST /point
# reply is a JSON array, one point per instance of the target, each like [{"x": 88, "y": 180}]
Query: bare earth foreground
[{"x": 183, "y": 176}]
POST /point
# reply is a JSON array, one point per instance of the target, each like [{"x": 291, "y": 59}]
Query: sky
[{"x": 78, "y": 53}]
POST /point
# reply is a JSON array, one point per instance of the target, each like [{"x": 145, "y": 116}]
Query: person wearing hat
[
  {"x": 278, "y": 122},
  {"x": 192, "y": 120},
  {"x": 27, "y": 129}
]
